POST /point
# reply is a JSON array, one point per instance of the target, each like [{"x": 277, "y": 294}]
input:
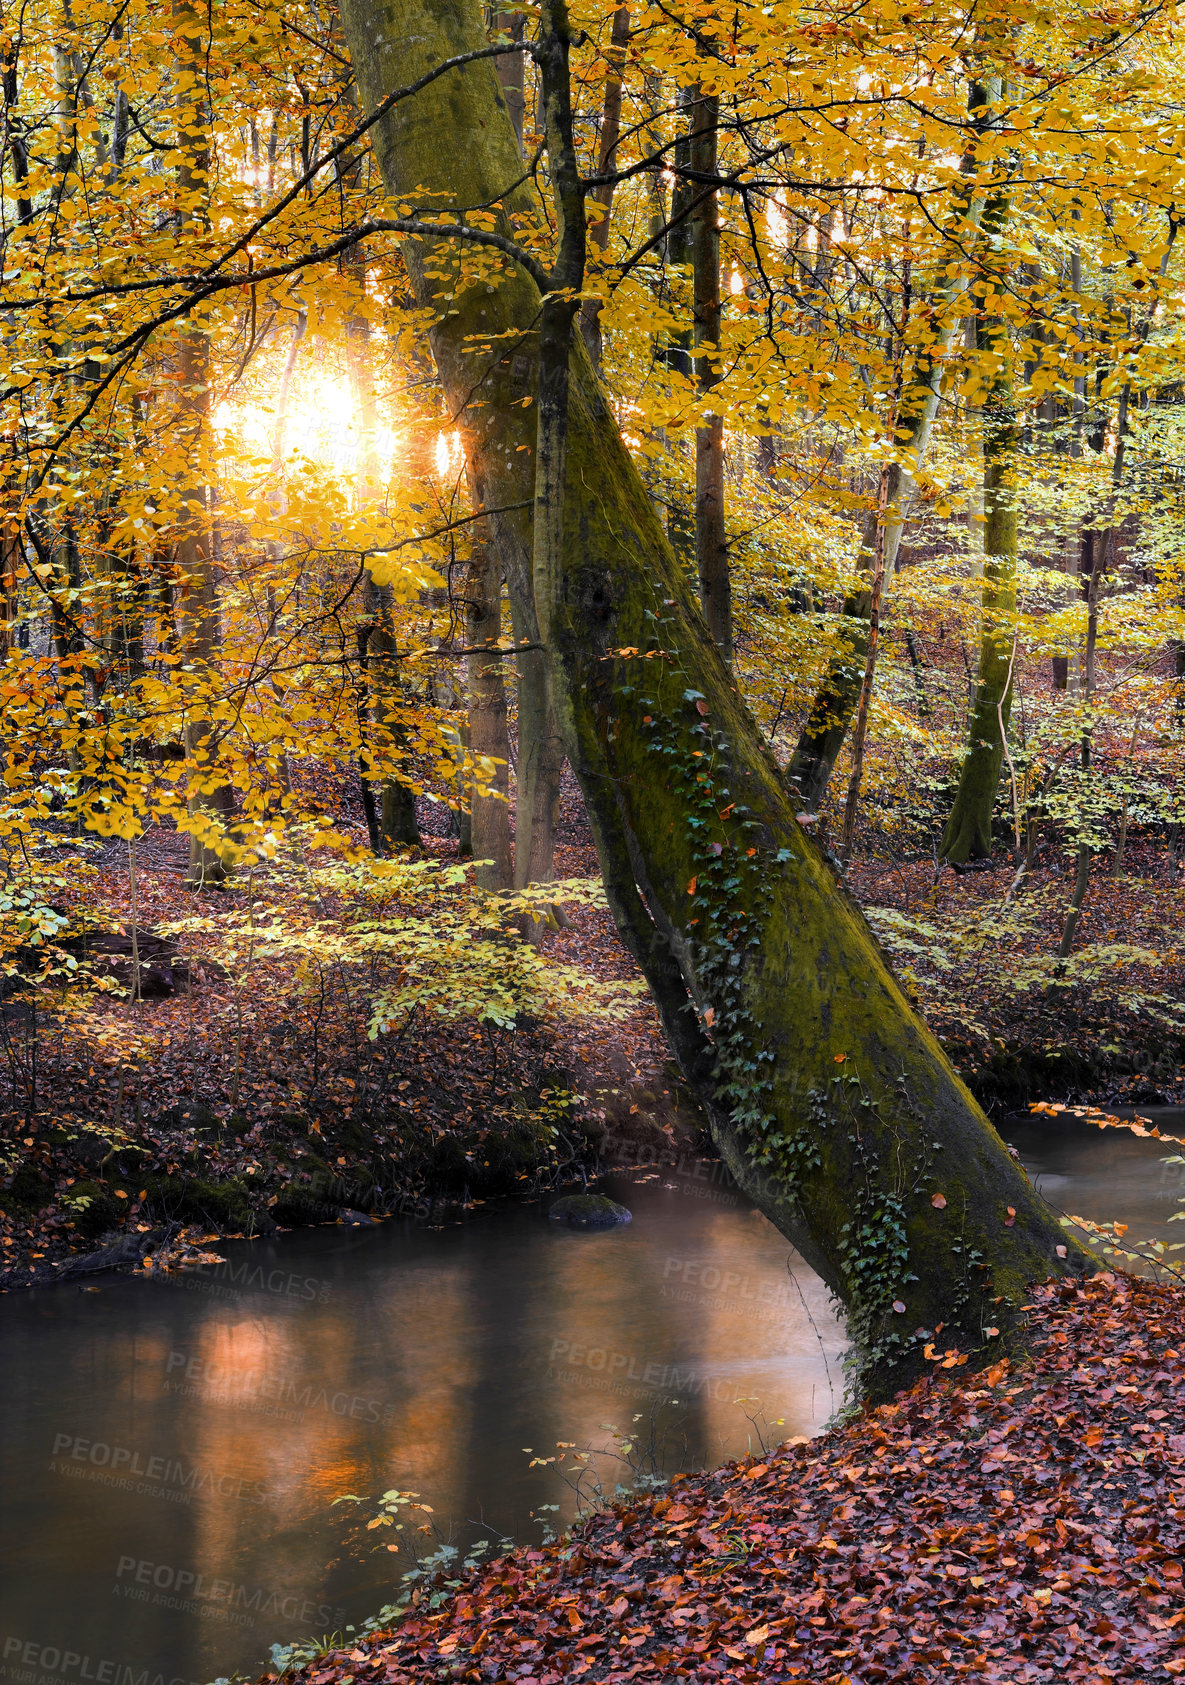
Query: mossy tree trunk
[
  {"x": 968, "y": 833},
  {"x": 828, "y": 1097}
]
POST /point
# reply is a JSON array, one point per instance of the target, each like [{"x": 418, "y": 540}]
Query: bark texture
[
  {"x": 488, "y": 735},
  {"x": 598, "y": 234},
  {"x": 828, "y": 1097},
  {"x": 968, "y": 833},
  {"x": 395, "y": 824}
]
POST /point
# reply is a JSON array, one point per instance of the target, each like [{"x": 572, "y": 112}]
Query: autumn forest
[{"x": 592, "y": 609}]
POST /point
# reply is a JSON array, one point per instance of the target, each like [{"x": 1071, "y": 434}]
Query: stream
[{"x": 173, "y": 1446}]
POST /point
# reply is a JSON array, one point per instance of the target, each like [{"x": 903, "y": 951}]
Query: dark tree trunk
[
  {"x": 488, "y": 735},
  {"x": 711, "y": 540},
  {"x": 968, "y": 833}
]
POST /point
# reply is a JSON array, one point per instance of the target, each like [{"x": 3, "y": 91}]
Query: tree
[
  {"x": 968, "y": 833},
  {"x": 910, "y": 427},
  {"x": 829, "y": 1099},
  {"x": 711, "y": 542},
  {"x": 211, "y": 800}
]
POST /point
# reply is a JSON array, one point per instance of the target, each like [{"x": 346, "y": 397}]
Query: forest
[{"x": 592, "y": 648}]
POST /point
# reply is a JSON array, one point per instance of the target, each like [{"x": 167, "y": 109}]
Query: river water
[{"x": 172, "y": 1448}]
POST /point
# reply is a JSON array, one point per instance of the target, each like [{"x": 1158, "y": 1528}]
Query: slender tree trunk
[
  {"x": 370, "y": 811},
  {"x": 680, "y": 523},
  {"x": 398, "y": 825},
  {"x": 598, "y": 233},
  {"x": 828, "y": 1097},
  {"x": 14, "y": 130},
  {"x": 813, "y": 762},
  {"x": 1125, "y": 809},
  {"x": 488, "y": 734},
  {"x": 1098, "y": 552},
  {"x": 512, "y": 67},
  {"x": 540, "y": 762},
  {"x": 711, "y": 541},
  {"x": 968, "y": 833},
  {"x": 679, "y": 233},
  {"x": 859, "y": 735},
  {"x": 10, "y": 560},
  {"x": 919, "y": 682},
  {"x": 54, "y": 505},
  {"x": 211, "y": 802},
  {"x": 278, "y": 497}
]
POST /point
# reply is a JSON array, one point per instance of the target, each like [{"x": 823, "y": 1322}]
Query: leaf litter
[{"x": 1025, "y": 1524}]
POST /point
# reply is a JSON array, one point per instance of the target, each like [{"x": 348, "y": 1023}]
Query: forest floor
[
  {"x": 1024, "y": 1524},
  {"x": 978, "y": 952},
  {"x": 251, "y": 1099}
]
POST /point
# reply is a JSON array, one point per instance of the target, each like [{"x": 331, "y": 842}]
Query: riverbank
[
  {"x": 1021, "y": 1524},
  {"x": 241, "y": 1102},
  {"x": 247, "y": 1095}
]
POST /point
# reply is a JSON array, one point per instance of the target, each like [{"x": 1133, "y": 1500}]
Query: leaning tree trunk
[
  {"x": 968, "y": 833},
  {"x": 828, "y": 1097}
]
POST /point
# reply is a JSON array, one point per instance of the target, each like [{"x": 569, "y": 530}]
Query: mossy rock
[{"x": 588, "y": 1211}]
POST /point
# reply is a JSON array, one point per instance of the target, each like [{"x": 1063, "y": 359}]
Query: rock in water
[{"x": 588, "y": 1211}]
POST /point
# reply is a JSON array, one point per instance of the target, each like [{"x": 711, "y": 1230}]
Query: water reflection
[
  {"x": 172, "y": 1448},
  {"x": 1107, "y": 1175}
]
